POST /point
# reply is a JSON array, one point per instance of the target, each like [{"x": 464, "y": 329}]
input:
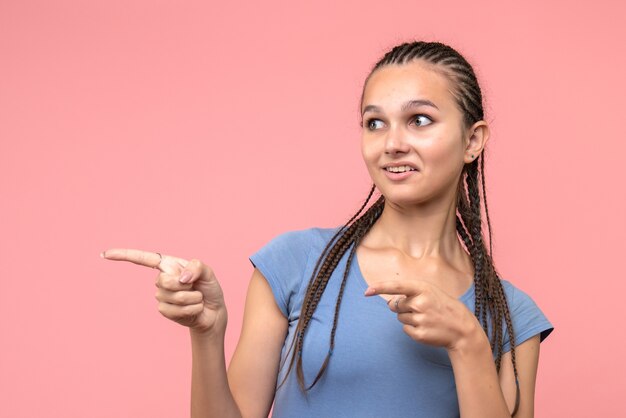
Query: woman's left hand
[{"x": 429, "y": 314}]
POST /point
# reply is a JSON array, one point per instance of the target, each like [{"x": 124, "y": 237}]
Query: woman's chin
[{"x": 402, "y": 198}]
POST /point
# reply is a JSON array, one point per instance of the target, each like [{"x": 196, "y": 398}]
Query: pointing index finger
[
  {"x": 143, "y": 258},
  {"x": 396, "y": 287}
]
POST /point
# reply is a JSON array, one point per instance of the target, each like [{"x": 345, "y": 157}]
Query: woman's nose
[{"x": 396, "y": 141}]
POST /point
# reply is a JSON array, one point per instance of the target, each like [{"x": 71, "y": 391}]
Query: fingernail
[
  {"x": 369, "y": 291},
  {"x": 184, "y": 278},
  {"x": 102, "y": 254}
]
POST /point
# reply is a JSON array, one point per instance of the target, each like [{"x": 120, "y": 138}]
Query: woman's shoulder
[
  {"x": 528, "y": 318},
  {"x": 293, "y": 247},
  {"x": 516, "y": 296},
  {"x": 284, "y": 257},
  {"x": 511, "y": 290},
  {"x": 517, "y": 299},
  {"x": 303, "y": 237}
]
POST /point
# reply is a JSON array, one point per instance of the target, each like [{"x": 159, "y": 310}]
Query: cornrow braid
[{"x": 491, "y": 306}]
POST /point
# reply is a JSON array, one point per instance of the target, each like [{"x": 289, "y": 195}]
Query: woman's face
[{"x": 410, "y": 116}]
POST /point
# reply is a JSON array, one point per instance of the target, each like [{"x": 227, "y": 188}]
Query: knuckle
[
  {"x": 159, "y": 280},
  {"x": 180, "y": 298},
  {"x": 189, "y": 310},
  {"x": 169, "y": 284},
  {"x": 419, "y": 333},
  {"x": 206, "y": 268},
  {"x": 194, "y": 264},
  {"x": 419, "y": 304}
]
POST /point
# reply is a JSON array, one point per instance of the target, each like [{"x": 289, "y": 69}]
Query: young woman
[{"x": 398, "y": 313}]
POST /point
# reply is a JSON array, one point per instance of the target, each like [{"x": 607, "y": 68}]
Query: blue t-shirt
[{"x": 376, "y": 369}]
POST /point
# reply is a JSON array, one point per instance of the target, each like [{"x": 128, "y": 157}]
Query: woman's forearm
[
  {"x": 210, "y": 393},
  {"x": 477, "y": 384}
]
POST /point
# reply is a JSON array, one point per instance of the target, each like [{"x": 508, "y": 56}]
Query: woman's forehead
[{"x": 392, "y": 85}]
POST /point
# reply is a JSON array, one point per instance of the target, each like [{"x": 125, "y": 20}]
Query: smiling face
[{"x": 410, "y": 116}]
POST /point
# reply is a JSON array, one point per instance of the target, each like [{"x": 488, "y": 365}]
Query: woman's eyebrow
[{"x": 405, "y": 106}]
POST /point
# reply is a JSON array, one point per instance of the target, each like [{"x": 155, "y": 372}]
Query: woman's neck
[{"x": 420, "y": 234}]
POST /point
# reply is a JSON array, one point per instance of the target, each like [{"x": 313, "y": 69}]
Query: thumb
[{"x": 192, "y": 271}]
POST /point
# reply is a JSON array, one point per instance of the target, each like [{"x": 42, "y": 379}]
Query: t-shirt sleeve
[
  {"x": 282, "y": 261},
  {"x": 528, "y": 319}
]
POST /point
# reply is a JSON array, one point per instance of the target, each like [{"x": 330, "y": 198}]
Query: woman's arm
[
  {"x": 431, "y": 316},
  {"x": 210, "y": 393},
  {"x": 247, "y": 388},
  {"x": 527, "y": 359},
  {"x": 481, "y": 392}
]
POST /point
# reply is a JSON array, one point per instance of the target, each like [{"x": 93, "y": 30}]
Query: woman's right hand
[{"x": 197, "y": 303}]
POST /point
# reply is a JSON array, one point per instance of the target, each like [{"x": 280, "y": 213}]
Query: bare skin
[{"x": 411, "y": 254}]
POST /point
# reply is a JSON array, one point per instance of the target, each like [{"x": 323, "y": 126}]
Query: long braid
[
  {"x": 485, "y": 304},
  {"x": 362, "y": 228},
  {"x": 329, "y": 264},
  {"x": 482, "y": 183},
  {"x": 507, "y": 313},
  {"x": 316, "y": 282},
  {"x": 491, "y": 306},
  {"x": 354, "y": 232}
]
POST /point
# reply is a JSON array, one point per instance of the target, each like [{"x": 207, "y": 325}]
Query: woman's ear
[{"x": 477, "y": 138}]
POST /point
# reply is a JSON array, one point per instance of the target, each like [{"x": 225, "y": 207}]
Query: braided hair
[{"x": 491, "y": 307}]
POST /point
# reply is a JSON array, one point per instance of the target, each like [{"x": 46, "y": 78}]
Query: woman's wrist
[
  {"x": 216, "y": 332},
  {"x": 472, "y": 340},
  {"x": 209, "y": 335}
]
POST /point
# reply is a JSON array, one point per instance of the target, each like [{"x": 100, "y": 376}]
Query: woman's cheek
[{"x": 440, "y": 160}]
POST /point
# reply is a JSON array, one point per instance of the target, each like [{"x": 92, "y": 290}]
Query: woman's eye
[
  {"x": 422, "y": 118},
  {"x": 371, "y": 124}
]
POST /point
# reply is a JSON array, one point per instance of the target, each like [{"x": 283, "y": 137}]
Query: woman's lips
[{"x": 399, "y": 176}]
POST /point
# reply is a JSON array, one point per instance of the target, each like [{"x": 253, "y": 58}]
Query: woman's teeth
[{"x": 401, "y": 169}]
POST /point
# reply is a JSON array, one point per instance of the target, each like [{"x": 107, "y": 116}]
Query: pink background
[{"x": 203, "y": 130}]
